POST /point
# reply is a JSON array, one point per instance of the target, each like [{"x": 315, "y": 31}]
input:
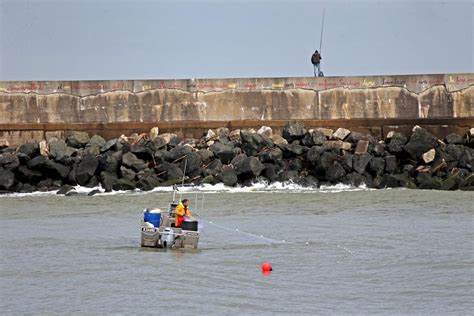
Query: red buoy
[{"x": 266, "y": 267}]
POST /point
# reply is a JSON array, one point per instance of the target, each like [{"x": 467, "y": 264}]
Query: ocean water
[{"x": 334, "y": 250}]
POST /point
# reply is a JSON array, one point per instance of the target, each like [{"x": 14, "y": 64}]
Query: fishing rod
[{"x": 321, "y": 37}]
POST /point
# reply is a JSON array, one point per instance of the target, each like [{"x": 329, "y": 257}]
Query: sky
[{"x": 173, "y": 39}]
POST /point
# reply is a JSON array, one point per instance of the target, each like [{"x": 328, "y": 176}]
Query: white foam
[{"x": 258, "y": 187}]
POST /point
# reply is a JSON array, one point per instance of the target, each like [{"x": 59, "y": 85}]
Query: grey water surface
[{"x": 349, "y": 252}]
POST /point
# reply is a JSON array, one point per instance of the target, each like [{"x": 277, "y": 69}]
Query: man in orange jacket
[{"x": 182, "y": 211}]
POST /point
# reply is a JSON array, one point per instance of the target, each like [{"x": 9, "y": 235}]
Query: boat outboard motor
[{"x": 167, "y": 237}]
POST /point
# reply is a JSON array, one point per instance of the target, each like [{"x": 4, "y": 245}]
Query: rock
[
  {"x": 271, "y": 172},
  {"x": 127, "y": 173},
  {"x": 379, "y": 149},
  {"x": 96, "y": 141},
  {"x": 29, "y": 149},
  {"x": 110, "y": 162},
  {"x": 77, "y": 139},
  {"x": 336, "y": 145},
  {"x": 131, "y": 161},
  {"x": 265, "y": 131},
  {"x": 178, "y": 153},
  {"x": 361, "y": 148},
  {"x": 4, "y": 143},
  {"x": 37, "y": 162},
  {"x": 192, "y": 162},
  {"x": 60, "y": 170},
  {"x": 148, "y": 183},
  {"x": 390, "y": 134},
  {"x": 72, "y": 193},
  {"x": 420, "y": 142},
  {"x": 94, "y": 192},
  {"x": 293, "y": 150},
  {"x": 44, "y": 149},
  {"x": 123, "y": 185},
  {"x": 328, "y": 158},
  {"x": 86, "y": 169},
  {"x": 314, "y": 153},
  {"x": 210, "y": 179},
  {"x": 354, "y": 179},
  {"x": 325, "y": 131},
  {"x": 27, "y": 188},
  {"x": 169, "y": 171},
  {"x": 252, "y": 143},
  {"x": 28, "y": 175},
  {"x": 360, "y": 162},
  {"x": 335, "y": 172},
  {"x": 112, "y": 144},
  {"x": 426, "y": 181},
  {"x": 7, "y": 179},
  {"x": 160, "y": 142},
  {"x": 206, "y": 155},
  {"x": 454, "y": 139},
  {"x": 214, "y": 168},
  {"x": 92, "y": 150},
  {"x": 429, "y": 156},
  {"x": 397, "y": 142},
  {"x": 313, "y": 138},
  {"x": 291, "y": 176},
  {"x": 228, "y": 176},
  {"x": 223, "y": 132},
  {"x": 278, "y": 140},
  {"x": 175, "y": 141},
  {"x": 65, "y": 189},
  {"x": 272, "y": 155},
  {"x": 293, "y": 130},
  {"x": 377, "y": 166},
  {"x": 9, "y": 161},
  {"x": 347, "y": 161},
  {"x": 211, "y": 135},
  {"x": 234, "y": 135},
  {"x": 341, "y": 133},
  {"x": 108, "y": 180},
  {"x": 154, "y": 132},
  {"x": 391, "y": 164},
  {"x": 224, "y": 152},
  {"x": 249, "y": 167},
  {"x": 58, "y": 149}
]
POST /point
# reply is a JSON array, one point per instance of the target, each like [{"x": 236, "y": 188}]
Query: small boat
[{"x": 158, "y": 230}]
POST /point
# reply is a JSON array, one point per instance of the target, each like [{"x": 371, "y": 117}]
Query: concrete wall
[{"x": 24, "y": 104}]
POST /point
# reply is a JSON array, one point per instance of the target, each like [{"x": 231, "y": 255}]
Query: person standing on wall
[{"x": 316, "y": 61}]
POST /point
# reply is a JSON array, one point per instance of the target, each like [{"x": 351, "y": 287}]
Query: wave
[{"x": 257, "y": 187}]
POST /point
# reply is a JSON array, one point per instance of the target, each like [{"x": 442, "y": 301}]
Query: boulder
[
  {"x": 110, "y": 162},
  {"x": 360, "y": 162},
  {"x": 96, "y": 141},
  {"x": 213, "y": 168},
  {"x": 192, "y": 162},
  {"x": 325, "y": 131},
  {"x": 249, "y": 167},
  {"x": 361, "y": 148},
  {"x": 377, "y": 166},
  {"x": 77, "y": 139},
  {"x": 29, "y": 149},
  {"x": 278, "y": 140},
  {"x": 206, "y": 155},
  {"x": 265, "y": 131},
  {"x": 4, "y": 143},
  {"x": 314, "y": 153},
  {"x": 335, "y": 172},
  {"x": 57, "y": 168},
  {"x": 293, "y": 130},
  {"x": 9, "y": 161},
  {"x": 341, "y": 133},
  {"x": 293, "y": 150},
  {"x": 123, "y": 185},
  {"x": 27, "y": 175},
  {"x": 210, "y": 135},
  {"x": 291, "y": 176},
  {"x": 328, "y": 158},
  {"x": 347, "y": 161},
  {"x": 37, "y": 162},
  {"x": 354, "y": 179},
  {"x": 7, "y": 179},
  {"x": 454, "y": 139},
  {"x": 148, "y": 183},
  {"x": 224, "y": 152},
  {"x": 131, "y": 161},
  {"x": 427, "y": 181},
  {"x": 397, "y": 142},
  {"x": 65, "y": 189},
  {"x": 391, "y": 164},
  {"x": 154, "y": 132},
  {"x": 58, "y": 149},
  {"x": 175, "y": 141},
  {"x": 420, "y": 142},
  {"x": 112, "y": 144},
  {"x": 234, "y": 135},
  {"x": 379, "y": 149},
  {"x": 336, "y": 145},
  {"x": 253, "y": 143},
  {"x": 429, "y": 156},
  {"x": 271, "y": 172},
  {"x": 127, "y": 173},
  {"x": 107, "y": 180},
  {"x": 228, "y": 176},
  {"x": 169, "y": 171},
  {"x": 313, "y": 138},
  {"x": 86, "y": 169},
  {"x": 43, "y": 148},
  {"x": 178, "y": 153},
  {"x": 272, "y": 155}
]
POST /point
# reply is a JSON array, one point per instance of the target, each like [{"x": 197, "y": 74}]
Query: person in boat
[
  {"x": 182, "y": 211},
  {"x": 316, "y": 61}
]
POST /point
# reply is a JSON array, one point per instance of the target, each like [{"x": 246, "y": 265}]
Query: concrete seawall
[{"x": 30, "y": 110}]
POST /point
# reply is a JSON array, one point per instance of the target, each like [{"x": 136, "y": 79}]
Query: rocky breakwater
[{"x": 309, "y": 157}]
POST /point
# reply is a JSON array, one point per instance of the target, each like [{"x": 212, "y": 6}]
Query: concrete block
[
  {"x": 341, "y": 133},
  {"x": 361, "y": 148}
]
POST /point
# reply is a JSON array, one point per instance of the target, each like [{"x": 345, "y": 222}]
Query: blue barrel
[{"x": 153, "y": 217}]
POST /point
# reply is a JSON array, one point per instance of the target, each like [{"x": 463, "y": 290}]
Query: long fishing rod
[{"x": 321, "y": 37}]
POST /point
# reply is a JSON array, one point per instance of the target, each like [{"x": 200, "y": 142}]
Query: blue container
[{"x": 152, "y": 217}]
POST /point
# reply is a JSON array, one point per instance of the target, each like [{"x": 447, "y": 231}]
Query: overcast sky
[{"x": 125, "y": 39}]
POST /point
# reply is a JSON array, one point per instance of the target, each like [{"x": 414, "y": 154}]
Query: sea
[{"x": 335, "y": 250}]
